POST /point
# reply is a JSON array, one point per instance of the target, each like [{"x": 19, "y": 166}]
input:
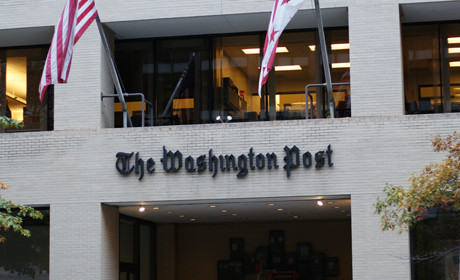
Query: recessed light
[
  {"x": 212, "y": 206},
  {"x": 192, "y": 220},
  {"x": 343, "y": 211},
  {"x": 141, "y": 209},
  {"x": 181, "y": 216},
  {"x": 319, "y": 203},
  {"x": 336, "y": 207},
  {"x": 330, "y": 202},
  {"x": 257, "y": 50},
  {"x": 224, "y": 211},
  {"x": 156, "y": 208},
  {"x": 453, "y": 40},
  {"x": 271, "y": 204},
  {"x": 234, "y": 214},
  {"x": 288, "y": 68},
  {"x": 280, "y": 209},
  {"x": 170, "y": 212},
  {"x": 340, "y": 65}
]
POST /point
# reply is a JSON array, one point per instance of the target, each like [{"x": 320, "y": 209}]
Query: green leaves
[
  {"x": 11, "y": 217},
  {"x": 6, "y": 122},
  {"x": 437, "y": 186}
]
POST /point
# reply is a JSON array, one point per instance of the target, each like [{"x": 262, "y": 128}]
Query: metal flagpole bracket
[
  {"x": 113, "y": 72},
  {"x": 325, "y": 58}
]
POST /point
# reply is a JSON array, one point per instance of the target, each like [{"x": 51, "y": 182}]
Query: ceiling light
[
  {"x": 181, "y": 216},
  {"x": 453, "y": 50},
  {"x": 192, "y": 220},
  {"x": 170, "y": 212},
  {"x": 280, "y": 209},
  {"x": 336, "y": 207},
  {"x": 257, "y": 50},
  {"x": 141, "y": 209},
  {"x": 454, "y": 64},
  {"x": 295, "y": 217},
  {"x": 334, "y": 47},
  {"x": 453, "y": 40},
  {"x": 288, "y": 68},
  {"x": 156, "y": 208},
  {"x": 212, "y": 206},
  {"x": 330, "y": 202},
  {"x": 319, "y": 203},
  {"x": 224, "y": 211},
  {"x": 271, "y": 204},
  {"x": 234, "y": 214},
  {"x": 340, "y": 65}
]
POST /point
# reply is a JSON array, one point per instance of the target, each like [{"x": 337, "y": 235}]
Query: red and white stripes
[{"x": 75, "y": 19}]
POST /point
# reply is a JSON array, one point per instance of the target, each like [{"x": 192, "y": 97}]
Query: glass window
[
  {"x": 431, "y": 56},
  {"x": 194, "y": 80},
  {"x": 26, "y": 258},
  {"x": 436, "y": 246},
  {"x": 20, "y": 73}
]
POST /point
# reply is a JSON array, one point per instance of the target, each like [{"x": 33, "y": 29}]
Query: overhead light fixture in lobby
[
  {"x": 257, "y": 50},
  {"x": 334, "y": 47}
]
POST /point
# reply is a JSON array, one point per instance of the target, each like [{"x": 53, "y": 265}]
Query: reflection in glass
[
  {"x": 431, "y": 72},
  {"x": 436, "y": 246},
  {"x": 194, "y": 80},
  {"x": 26, "y": 258},
  {"x": 20, "y": 73}
]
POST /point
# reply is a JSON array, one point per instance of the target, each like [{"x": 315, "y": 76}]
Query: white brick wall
[{"x": 72, "y": 169}]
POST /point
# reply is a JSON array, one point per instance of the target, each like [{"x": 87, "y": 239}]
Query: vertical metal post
[
  {"x": 327, "y": 71},
  {"x": 113, "y": 72}
]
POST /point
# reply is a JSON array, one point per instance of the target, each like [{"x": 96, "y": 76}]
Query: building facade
[{"x": 225, "y": 200}]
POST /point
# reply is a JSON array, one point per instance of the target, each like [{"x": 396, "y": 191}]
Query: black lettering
[
  {"x": 306, "y": 158},
  {"x": 172, "y": 158},
  {"x": 139, "y": 166},
  {"x": 260, "y": 161},
  {"x": 319, "y": 158},
  {"x": 213, "y": 162},
  {"x": 329, "y": 156},
  {"x": 243, "y": 166},
  {"x": 292, "y": 159},
  {"x": 251, "y": 159},
  {"x": 123, "y": 158},
  {"x": 201, "y": 163},
  {"x": 150, "y": 164},
  {"x": 271, "y": 158},
  {"x": 190, "y": 164}
]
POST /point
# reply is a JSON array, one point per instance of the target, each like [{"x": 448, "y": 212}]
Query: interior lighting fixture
[
  {"x": 192, "y": 220},
  {"x": 156, "y": 208},
  {"x": 453, "y": 40},
  {"x": 181, "y": 216},
  {"x": 453, "y": 50},
  {"x": 454, "y": 64},
  {"x": 295, "y": 217},
  {"x": 219, "y": 118},
  {"x": 257, "y": 50},
  {"x": 271, "y": 204},
  {"x": 340, "y": 65},
  {"x": 319, "y": 203},
  {"x": 334, "y": 47},
  {"x": 234, "y": 214},
  {"x": 141, "y": 209},
  {"x": 212, "y": 206},
  {"x": 280, "y": 209},
  {"x": 288, "y": 68},
  {"x": 330, "y": 202},
  {"x": 224, "y": 211},
  {"x": 337, "y": 207}
]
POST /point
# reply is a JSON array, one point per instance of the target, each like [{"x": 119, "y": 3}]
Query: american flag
[
  {"x": 75, "y": 19},
  {"x": 283, "y": 11}
]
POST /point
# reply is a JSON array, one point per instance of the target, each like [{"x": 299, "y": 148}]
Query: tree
[
  {"x": 436, "y": 187},
  {"x": 12, "y": 214}
]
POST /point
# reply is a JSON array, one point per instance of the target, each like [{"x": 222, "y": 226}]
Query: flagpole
[
  {"x": 327, "y": 71},
  {"x": 113, "y": 72}
]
